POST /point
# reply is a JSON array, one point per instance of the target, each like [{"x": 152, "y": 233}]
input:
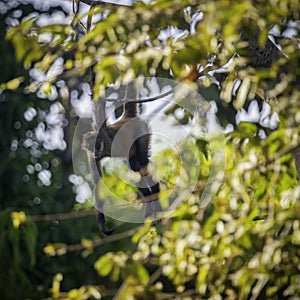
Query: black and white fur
[{"x": 129, "y": 137}]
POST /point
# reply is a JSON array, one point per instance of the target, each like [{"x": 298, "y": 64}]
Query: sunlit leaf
[
  {"x": 104, "y": 265},
  {"x": 142, "y": 273},
  {"x": 18, "y": 218}
]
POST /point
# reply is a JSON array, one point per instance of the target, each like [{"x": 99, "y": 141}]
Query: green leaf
[
  {"x": 142, "y": 232},
  {"x": 4, "y": 220},
  {"x": 242, "y": 94},
  {"x": 286, "y": 181},
  {"x": 12, "y": 84},
  {"x": 202, "y": 146},
  {"x": 247, "y": 129},
  {"x": 142, "y": 273},
  {"x": 260, "y": 186},
  {"x": 210, "y": 93},
  {"x": 115, "y": 275},
  {"x": 104, "y": 265},
  {"x": 14, "y": 238},
  {"x": 187, "y": 56},
  {"x": 245, "y": 242},
  {"x": 30, "y": 235}
]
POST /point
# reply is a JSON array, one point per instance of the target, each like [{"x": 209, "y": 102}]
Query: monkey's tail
[
  {"x": 101, "y": 216},
  {"x": 101, "y": 222}
]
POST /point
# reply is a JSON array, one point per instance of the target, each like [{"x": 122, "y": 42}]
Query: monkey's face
[
  {"x": 99, "y": 148},
  {"x": 92, "y": 144}
]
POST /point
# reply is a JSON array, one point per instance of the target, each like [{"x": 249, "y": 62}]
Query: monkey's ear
[{"x": 89, "y": 140}]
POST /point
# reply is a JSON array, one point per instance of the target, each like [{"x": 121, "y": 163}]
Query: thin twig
[
  {"x": 283, "y": 152},
  {"x": 76, "y": 10},
  {"x": 90, "y": 17},
  {"x": 119, "y": 291},
  {"x": 86, "y": 213},
  {"x": 103, "y": 3},
  {"x": 143, "y": 100},
  {"x": 155, "y": 275},
  {"x": 175, "y": 295},
  {"x": 62, "y": 216},
  {"x": 108, "y": 239}
]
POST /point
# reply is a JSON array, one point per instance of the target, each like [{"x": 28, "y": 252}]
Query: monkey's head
[{"x": 93, "y": 144}]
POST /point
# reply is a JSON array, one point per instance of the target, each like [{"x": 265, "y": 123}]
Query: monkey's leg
[
  {"x": 150, "y": 191},
  {"x": 147, "y": 187}
]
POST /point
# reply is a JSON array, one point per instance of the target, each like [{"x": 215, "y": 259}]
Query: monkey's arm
[
  {"x": 99, "y": 201},
  {"x": 95, "y": 168}
]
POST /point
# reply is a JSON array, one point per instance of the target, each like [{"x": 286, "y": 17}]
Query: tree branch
[
  {"x": 103, "y": 3},
  {"x": 143, "y": 100},
  {"x": 62, "y": 216},
  {"x": 109, "y": 239},
  {"x": 155, "y": 275}
]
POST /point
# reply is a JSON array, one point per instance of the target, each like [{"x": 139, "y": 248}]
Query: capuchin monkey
[{"x": 129, "y": 138}]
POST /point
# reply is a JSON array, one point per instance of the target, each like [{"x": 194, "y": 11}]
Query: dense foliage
[{"x": 245, "y": 244}]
